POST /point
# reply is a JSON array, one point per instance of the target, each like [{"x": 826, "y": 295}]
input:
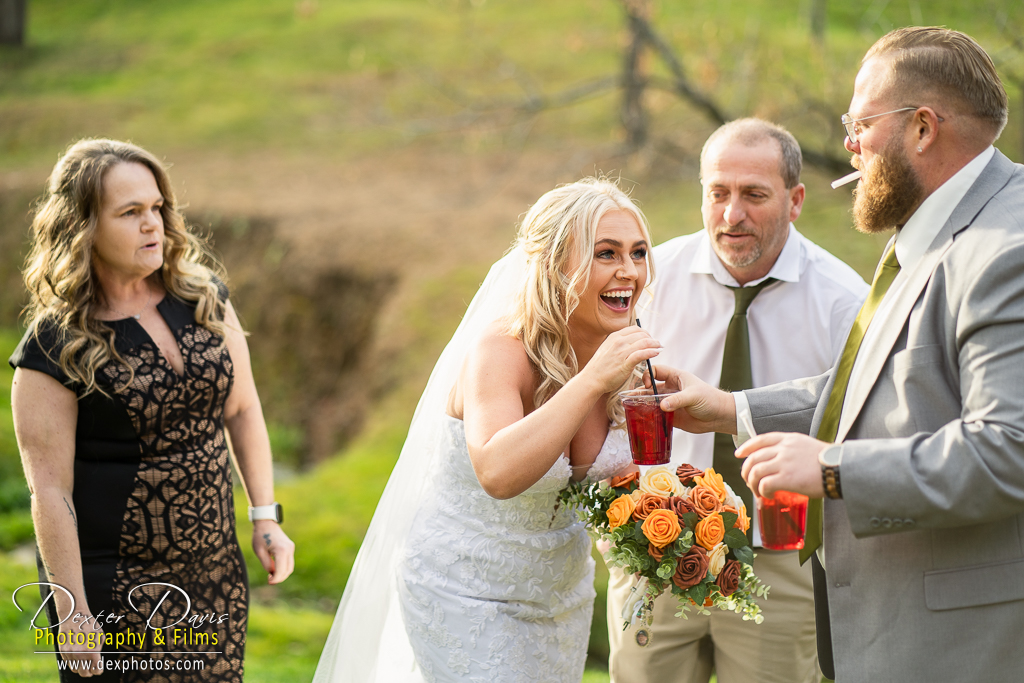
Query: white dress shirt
[{"x": 798, "y": 326}]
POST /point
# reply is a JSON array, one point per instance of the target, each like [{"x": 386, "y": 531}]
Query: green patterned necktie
[
  {"x": 736, "y": 376},
  {"x": 884, "y": 276}
]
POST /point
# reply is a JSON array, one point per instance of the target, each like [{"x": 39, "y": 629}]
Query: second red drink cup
[{"x": 783, "y": 520}]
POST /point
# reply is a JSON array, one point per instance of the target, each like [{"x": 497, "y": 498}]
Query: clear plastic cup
[{"x": 649, "y": 427}]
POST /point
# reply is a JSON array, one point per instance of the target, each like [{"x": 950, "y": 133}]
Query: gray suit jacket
[{"x": 925, "y": 553}]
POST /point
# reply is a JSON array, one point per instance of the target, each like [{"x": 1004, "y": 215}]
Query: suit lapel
[{"x": 873, "y": 356}]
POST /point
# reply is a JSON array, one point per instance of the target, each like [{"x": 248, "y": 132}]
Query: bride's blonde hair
[
  {"x": 557, "y": 231},
  {"x": 58, "y": 271}
]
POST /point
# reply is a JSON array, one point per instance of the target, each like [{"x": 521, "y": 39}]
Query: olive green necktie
[
  {"x": 884, "y": 276},
  {"x": 736, "y": 376}
]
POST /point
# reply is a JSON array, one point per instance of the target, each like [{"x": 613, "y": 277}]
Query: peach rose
[
  {"x": 710, "y": 531},
  {"x": 624, "y": 481},
  {"x": 661, "y": 481},
  {"x": 620, "y": 510},
  {"x": 704, "y": 501},
  {"x": 686, "y": 473},
  {"x": 716, "y": 559},
  {"x": 648, "y": 504},
  {"x": 636, "y": 495},
  {"x": 742, "y": 519},
  {"x": 691, "y": 568},
  {"x": 729, "y": 579},
  {"x": 657, "y": 553},
  {"x": 661, "y": 527},
  {"x": 713, "y": 480}
]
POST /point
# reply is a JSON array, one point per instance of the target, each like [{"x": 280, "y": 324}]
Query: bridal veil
[{"x": 368, "y": 641}]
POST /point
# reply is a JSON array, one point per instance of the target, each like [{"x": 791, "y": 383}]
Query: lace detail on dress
[
  {"x": 499, "y": 590},
  {"x": 179, "y": 524}
]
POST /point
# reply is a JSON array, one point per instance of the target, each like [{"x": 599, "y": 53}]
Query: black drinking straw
[
  {"x": 650, "y": 370},
  {"x": 654, "y": 386}
]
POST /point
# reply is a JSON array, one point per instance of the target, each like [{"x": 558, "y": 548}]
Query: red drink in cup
[
  {"x": 649, "y": 427},
  {"x": 783, "y": 520}
]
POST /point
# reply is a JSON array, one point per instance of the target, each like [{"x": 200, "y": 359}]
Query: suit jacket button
[
  {"x": 886, "y": 522},
  {"x": 908, "y": 522},
  {"x": 875, "y": 522},
  {"x": 897, "y": 522}
]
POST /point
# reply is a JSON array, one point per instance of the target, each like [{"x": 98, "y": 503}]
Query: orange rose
[
  {"x": 705, "y": 501},
  {"x": 661, "y": 527},
  {"x": 710, "y": 531},
  {"x": 624, "y": 481},
  {"x": 712, "y": 480},
  {"x": 657, "y": 553},
  {"x": 620, "y": 510},
  {"x": 742, "y": 519},
  {"x": 648, "y": 504}
]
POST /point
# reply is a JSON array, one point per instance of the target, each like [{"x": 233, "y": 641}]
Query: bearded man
[{"x": 918, "y": 430}]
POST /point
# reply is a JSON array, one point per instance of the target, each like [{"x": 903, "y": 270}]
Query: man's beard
[
  {"x": 888, "y": 191},
  {"x": 766, "y": 240}
]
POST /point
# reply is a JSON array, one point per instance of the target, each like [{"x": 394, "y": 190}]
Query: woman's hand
[
  {"x": 618, "y": 356},
  {"x": 274, "y": 549},
  {"x": 83, "y": 643},
  {"x": 698, "y": 407}
]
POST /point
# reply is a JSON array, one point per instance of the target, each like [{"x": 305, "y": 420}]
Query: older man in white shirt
[{"x": 798, "y": 319}]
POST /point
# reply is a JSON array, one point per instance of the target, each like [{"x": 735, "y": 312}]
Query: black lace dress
[{"x": 153, "y": 496}]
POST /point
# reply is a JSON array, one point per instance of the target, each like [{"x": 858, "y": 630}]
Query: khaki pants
[{"x": 779, "y": 650}]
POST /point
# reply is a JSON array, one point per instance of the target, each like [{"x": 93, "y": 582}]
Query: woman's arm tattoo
[{"x": 72, "y": 513}]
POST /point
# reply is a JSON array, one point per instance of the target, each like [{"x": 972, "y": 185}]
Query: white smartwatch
[{"x": 273, "y": 511}]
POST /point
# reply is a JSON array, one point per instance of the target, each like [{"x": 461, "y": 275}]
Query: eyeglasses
[{"x": 853, "y": 130}]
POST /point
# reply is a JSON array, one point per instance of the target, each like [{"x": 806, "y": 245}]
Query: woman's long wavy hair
[
  {"x": 59, "y": 275},
  {"x": 558, "y": 236}
]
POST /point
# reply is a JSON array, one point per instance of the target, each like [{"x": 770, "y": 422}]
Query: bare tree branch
[{"x": 640, "y": 26}]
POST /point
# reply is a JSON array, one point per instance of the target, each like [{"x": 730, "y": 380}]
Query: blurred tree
[
  {"x": 634, "y": 80},
  {"x": 12, "y": 21},
  {"x": 635, "y": 65},
  {"x": 819, "y": 20}
]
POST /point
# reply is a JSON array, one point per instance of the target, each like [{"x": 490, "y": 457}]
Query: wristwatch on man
[
  {"x": 829, "y": 461},
  {"x": 273, "y": 511}
]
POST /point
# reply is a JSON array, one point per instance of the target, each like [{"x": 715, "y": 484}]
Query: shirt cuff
[{"x": 744, "y": 421}]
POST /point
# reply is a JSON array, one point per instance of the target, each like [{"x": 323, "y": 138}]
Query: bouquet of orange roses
[{"x": 683, "y": 530}]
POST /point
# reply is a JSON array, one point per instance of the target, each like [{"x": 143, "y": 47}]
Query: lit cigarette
[{"x": 846, "y": 179}]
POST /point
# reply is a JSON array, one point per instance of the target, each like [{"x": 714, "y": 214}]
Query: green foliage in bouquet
[{"x": 682, "y": 531}]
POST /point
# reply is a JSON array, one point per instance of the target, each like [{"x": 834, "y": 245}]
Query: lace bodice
[{"x": 500, "y": 590}]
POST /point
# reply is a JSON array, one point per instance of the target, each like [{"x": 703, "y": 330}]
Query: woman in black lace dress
[{"x": 133, "y": 365}]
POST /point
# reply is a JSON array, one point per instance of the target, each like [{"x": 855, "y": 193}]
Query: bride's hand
[{"x": 618, "y": 355}]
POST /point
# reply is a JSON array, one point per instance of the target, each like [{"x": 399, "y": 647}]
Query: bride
[{"x": 471, "y": 570}]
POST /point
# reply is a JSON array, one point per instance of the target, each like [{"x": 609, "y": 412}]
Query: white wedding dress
[
  {"x": 451, "y": 584},
  {"x": 500, "y": 590}
]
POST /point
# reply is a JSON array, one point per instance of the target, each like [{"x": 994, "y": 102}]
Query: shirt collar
[
  {"x": 917, "y": 235},
  {"x": 786, "y": 267}
]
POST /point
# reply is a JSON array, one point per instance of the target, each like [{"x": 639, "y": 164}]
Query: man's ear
[
  {"x": 926, "y": 129},
  {"x": 796, "y": 201}
]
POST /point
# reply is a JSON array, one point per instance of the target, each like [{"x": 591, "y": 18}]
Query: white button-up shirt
[{"x": 797, "y": 326}]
